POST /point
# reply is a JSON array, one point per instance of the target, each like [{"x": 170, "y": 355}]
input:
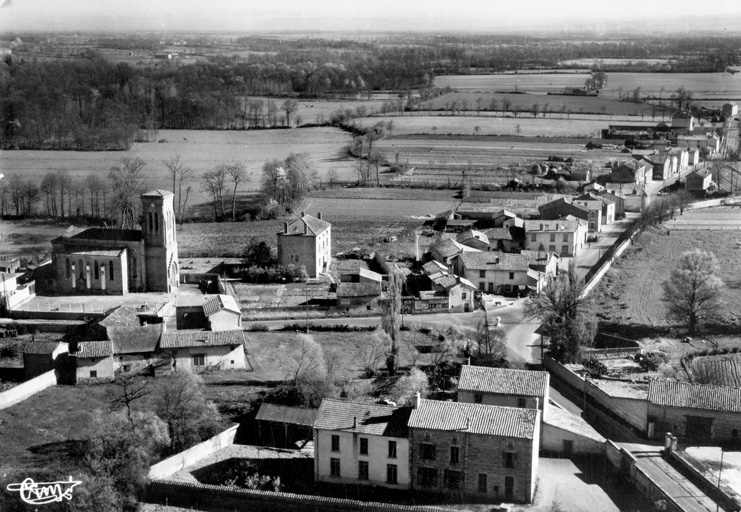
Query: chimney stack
[
  {"x": 417, "y": 400},
  {"x": 319, "y": 215},
  {"x": 355, "y": 422},
  {"x": 303, "y": 214},
  {"x": 285, "y": 227}
]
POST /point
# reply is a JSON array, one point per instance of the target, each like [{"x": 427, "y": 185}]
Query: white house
[{"x": 201, "y": 350}]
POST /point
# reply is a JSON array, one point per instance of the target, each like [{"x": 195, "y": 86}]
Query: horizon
[{"x": 414, "y": 16}]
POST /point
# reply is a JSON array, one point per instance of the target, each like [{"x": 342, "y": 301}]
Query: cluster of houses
[{"x": 484, "y": 446}]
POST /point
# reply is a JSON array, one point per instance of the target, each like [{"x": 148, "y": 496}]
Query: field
[
  {"x": 376, "y": 208},
  {"x": 200, "y": 150},
  {"x": 612, "y": 62},
  {"x": 721, "y": 370},
  {"x": 319, "y": 111},
  {"x": 704, "y": 85},
  {"x": 630, "y": 294}
]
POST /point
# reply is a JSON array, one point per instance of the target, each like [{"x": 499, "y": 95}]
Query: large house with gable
[{"x": 306, "y": 241}]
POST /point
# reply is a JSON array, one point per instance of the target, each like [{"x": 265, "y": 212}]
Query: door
[
  {"x": 699, "y": 429},
  {"x": 568, "y": 449},
  {"x": 491, "y": 287},
  {"x": 509, "y": 487}
]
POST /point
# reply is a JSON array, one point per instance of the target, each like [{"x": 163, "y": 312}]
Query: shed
[{"x": 284, "y": 426}]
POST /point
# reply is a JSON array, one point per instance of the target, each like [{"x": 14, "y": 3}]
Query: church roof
[
  {"x": 157, "y": 193},
  {"x": 123, "y": 235}
]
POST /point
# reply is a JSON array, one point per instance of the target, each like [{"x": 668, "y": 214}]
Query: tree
[
  {"x": 391, "y": 317},
  {"x": 563, "y": 307},
  {"x": 374, "y": 352},
  {"x": 683, "y": 97},
  {"x": 213, "y": 182},
  {"x": 404, "y": 391},
  {"x": 636, "y": 98},
  {"x": 596, "y": 81},
  {"x": 258, "y": 253},
  {"x": 238, "y": 173},
  {"x": 289, "y": 107},
  {"x": 694, "y": 292},
  {"x": 189, "y": 416},
  {"x": 128, "y": 388},
  {"x": 490, "y": 341},
  {"x": 128, "y": 183},
  {"x": 174, "y": 168}
]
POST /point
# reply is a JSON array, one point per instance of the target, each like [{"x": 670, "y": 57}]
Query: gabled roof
[
  {"x": 434, "y": 267},
  {"x": 313, "y": 225},
  {"x": 498, "y": 234},
  {"x": 41, "y": 347},
  {"x": 221, "y": 302},
  {"x": 503, "y": 381},
  {"x": 157, "y": 193},
  {"x": 493, "y": 261},
  {"x": 90, "y": 349},
  {"x": 475, "y": 419},
  {"x": 138, "y": 339},
  {"x": 694, "y": 396},
  {"x": 285, "y": 414},
  {"x": 448, "y": 247},
  {"x": 560, "y": 225},
  {"x": 195, "y": 338},
  {"x": 358, "y": 289},
  {"x": 122, "y": 235},
  {"x": 121, "y": 316},
  {"x": 570, "y": 422},
  {"x": 470, "y": 235},
  {"x": 369, "y": 274},
  {"x": 593, "y": 197},
  {"x": 362, "y": 418},
  {"x": 562, "y": 200}
]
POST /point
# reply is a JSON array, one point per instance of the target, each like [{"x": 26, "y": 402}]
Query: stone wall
[{"x": 27, "y": 389}]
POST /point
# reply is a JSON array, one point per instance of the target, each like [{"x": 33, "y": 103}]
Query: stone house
[
  {"x": 201, "y": 350},
  {"x": 445, "y": 250},
  {"x": 473, "y": 451},
  {"x": 444, "y": 290},
  {"x": 730, "y": 109},
  {"x": 693, "y": 156},
  {"x": 40, "y": 357},
  {"x": 222, "y": 313},
  {"x": 361, "y": 443},
  {"x": 589, "y": 211},
  {"x": 94, "y": 360},
  {"x": 506, "y": 239},
  {"x": 662, "y": 166},
  {"x": 362, "y": 275},
  {"x": 504, "y": 387},
  {"x": 563, "y": 237},
  {"x": 698, "y": 182},
  {"x": 474, "y": 239},
  {"x": 565, "y": 435},
  {"x": 119, "y": 261},
  {"x": 358, "y": 295},
  {"x": 134, "y": 346},
  {"x": 495, "y": 272},
  {"x": 683, "y": 121},
  {"x": 699, "y": 413},
  {"x": 306, "y": 241},
  {"x": 594, "y": 200},
  {"x": 632, "y": 171}
]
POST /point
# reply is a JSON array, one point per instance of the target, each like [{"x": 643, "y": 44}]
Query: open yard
[{"x": 631, "y": 293}]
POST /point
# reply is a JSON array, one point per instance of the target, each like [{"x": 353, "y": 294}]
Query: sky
[{"x": 343, "y": 15}]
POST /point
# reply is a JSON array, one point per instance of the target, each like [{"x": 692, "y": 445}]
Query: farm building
[
  {"x": 730, "y": 109},
  {"x": 662, "y": 166},
  {"x": 215, "y": 312},
  {"x": 564, "y": 237},
  {"x": 699, "y": 413},
  {"x": 134, "y": 346},
  {"x": 506, "y": 239},
  {"x": 201, "y": 350},
  {"x": 445, "y": 250},
  {"x": 474, "y": 239},
  {"x": 476, "y": 451},
  {"x": 9, "y": 265},
  {"x": 306, "y": 241},
  {"x": 443, "y": 290},
  {"x": 362, "y": 275},
  {"x": 698, "y": 182},
  {"x": 632, "y": 171},
  {"x": 608, "y": 205},
  {"x": 40, "y": 357},
  {"x": 94, "y": 360},
  {"x": 119, "y": 261},
  {"x": 504, "y": 387},
  {"x": 498, "y": 272},
  {"x": 683, "y": 121},
  {"x": 285, "y": 427},
  {"x": 565, "y": 434},
  {"x": 361, "y": 443},
  {"x": 358, "y": 295},
  {"x": 632, "y": 195}
]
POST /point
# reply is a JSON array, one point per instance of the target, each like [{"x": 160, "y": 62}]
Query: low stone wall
[
  {"x": 27, "y": 389},
  {"x": 695, "y": 471},
  {"x": 213, "y": 497}
]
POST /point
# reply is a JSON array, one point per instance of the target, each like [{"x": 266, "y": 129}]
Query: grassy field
[
  {"x": 200, "y": 150},
  {"x": 631, "y": 294},
  {"x": 704, "y": 85},
  {"x": 721, "y": 370},
  {"x": 319, "y": 111},
  {"x": 376, "y": 208}
]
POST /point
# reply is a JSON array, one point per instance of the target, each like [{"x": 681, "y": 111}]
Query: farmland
[
  {"x": 631, "y": 294},
  {"x": 720, "y": 370},
  {"x": 320, "y": 111},
  {"x": 704, "y": 85},
  {"x": 376, "y": 208}
]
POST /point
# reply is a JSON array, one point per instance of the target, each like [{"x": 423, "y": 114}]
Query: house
[
  {"x": 632, "y": 171},
  {"x": 474, "y": 239},
  {"x": 682, "y": 159},
  {"x": 506, "y": 239},
  {"x": 581, "y": 173},
  {"x": 358, "y": 295},
  {"x": 134, "y": 346},
  {"x": 9, "y": 265},
  {"x": 283, "y": 426},
  {"x": 589, "y": 211},
  {"x": 662, "y": 166},
  {"x": 504, "y": 387},
  {"x": 633, "y": 195},
  {"x": 119, "y": 261},
  {"x": 495, "y": 272},
  {"x": 361, "y": 444},
  {"x": 306, "y": 241},
  {"x": 201, "y": 350},
  {"x": 474, "y": 451},
  {"x": 616, "y": 199},
  {"x": 445, "y": 250},
  {"x": 40, "y": 357},
  {"x": 608, "y": 205},
  {"x": 222, "y": 313},
  {"x": 486, "y": 215},
  {"x": 683, "y": 121},
  {"x": 729, "y": 110},
  {"x": 693, "y": 156},
  {"x": 362, "y": 275},
  {"x": 446, "y": 290},
  {"x": 564, "y": 237},
  {"x": 565, "y": 434},
  {"x": 699, "y": 413},
  {"x": 458, "y": 225},
  {"x": 13, "y": 294},
  {"x": 94, "y": 360},
  {"x": 699, "y": 181}
]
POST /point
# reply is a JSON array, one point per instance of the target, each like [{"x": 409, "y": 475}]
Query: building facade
[{"x": 306, "y": 241}]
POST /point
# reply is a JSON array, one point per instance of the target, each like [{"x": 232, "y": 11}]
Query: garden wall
[
  {"x": 704, "y": 480},
  {"x": 27, "y": 389}
]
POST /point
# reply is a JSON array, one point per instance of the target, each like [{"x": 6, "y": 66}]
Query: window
[
  {"x": 427, "y": 477},
  {"x": 483, "y": 482},
  {"x": 427, "y": 451},
  {"x": 391, "y": 474},
  {"x": 151, "y": 224},
  {"x": 482, "y": 274},
  {"x": 452, "y": 479},
  {"x": 110, "y": 271},
  {"x": 156, "y": 222},
  {"x": 508, "y": 460},
  {"x": 67, "y": 268},
  {"x": 363, "y": 446},
  {"x": 553, "y": 237},
  {"x": 521, "y": 403},
  {"x": 533, "y": 237},
  {"x": 126, "y": 368},
  {"x": 478, "y": 398},
  {"x": 464, "y": 295},
  {"x": 455, "y": 454},
  {"x": 734, "y": 433},
  {"x": 565, "y": 237},
  {"x": 133, "y": 268},
  {"x": 551, "y": 248},
  {"x": 96, "y": 271},
  {"x": 482, "y": 286},
  {"x": 511, "y": 276},
  {"x": 334, "y": 467},
  {"x": 565, "y": 249},
  {"x": 199, "y": 359},
  {"x": 93, "y": 374},
  {"x": 392, "y": 449},
  {"x": 335, "y": 443},
  {"x": 363, "y": 470}
]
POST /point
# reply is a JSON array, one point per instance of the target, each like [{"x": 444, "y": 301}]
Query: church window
[
  {"x": 96, "y": 270},
  {"x": 133, "y": 268},
  {"x": 156, "y": 222},
  {"x": 67, "y": 268},
  {"x": 151, "y": 227},
  {"x": 110, "y": 271}
]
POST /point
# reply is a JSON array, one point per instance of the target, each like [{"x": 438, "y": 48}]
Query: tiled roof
[
  {"x": 562, "y": 225},
  {"x": 503, "y": 381},
  {"x": 358, "y": 289},
  {"x": 493, "y": 261},
  {"x": 434, "y": 267},
  {"x": 694, "y": 396},
  {"x": 194, "y": 338},
  {"x": 447, "y": 247},
  {"x": 369, "y": 274},
  {"x": 136, "y": 339},
  {"x": 157, "y": 193},
  {"x": 570, "y": 422},
  {"x": 188, "y": 300},
  {"x": 314, "y": 226},
  {"x": 470, "y": 235},
  {"x": 367, "y": 418},
  {"x": 103, "y": 253},
  {"x": 123, "y": 235},
  {"x": 219, "y": 302},
  {"x": 94, "y": 349},
  {"x": 40, "y": 347},
  {"x": 475, "y": 419},
  {"x": 498, "y": 234},
  {"x": 121, "y": 316},
  {"x": 285, "y": 414}
]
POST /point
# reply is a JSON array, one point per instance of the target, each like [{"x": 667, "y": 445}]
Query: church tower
[{"x": 161, "y": 246}]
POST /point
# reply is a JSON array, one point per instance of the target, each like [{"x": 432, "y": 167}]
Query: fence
[
  {"x": 611, "y": 254},
  {"x": 27, "y": 389}
]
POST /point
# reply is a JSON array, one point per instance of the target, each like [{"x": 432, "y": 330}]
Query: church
[{"x": 100, "y": 261}]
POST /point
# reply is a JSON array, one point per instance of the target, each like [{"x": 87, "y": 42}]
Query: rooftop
[
  {"x": 122, "y": 235},
  {"x": 157, "y": 193},
  {"x": 41, "y": 347},
  {"x": 313, "y": 225},
  {"x": 221, "y": 302},
  {"x": 92, "y": 349},
  {"x": 493, "y": 261},
  {"x": 358, "y": 289},
  {"x": 570, "y": 422},
  {"x": 135, "y": 339},
  {"x": 195, "y": 338},
  {"x": 286, "y": 414},
  {"x": 503, "y": 381},
  {"x": 475, "y": 419},
  {"x": 551, "y": 225},
  {"x": 448, "y": 247},
  {"x": 363, "y": 418},
  {"x": 694, "y": 396}
]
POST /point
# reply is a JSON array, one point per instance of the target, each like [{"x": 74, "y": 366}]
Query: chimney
[
  {"x": 417, "y": 400},
  {"x": 303, "y": 214},
  {"x": 285, "y": 227},
  {"x": 319, "y": 215},
  {"x": 468, "y": 423},
  {"x": 355, "y": 422}
]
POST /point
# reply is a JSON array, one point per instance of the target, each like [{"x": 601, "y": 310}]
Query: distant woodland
[{"x": 85, "y": 102}]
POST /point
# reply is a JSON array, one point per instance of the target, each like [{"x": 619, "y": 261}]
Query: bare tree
[
  {"x": 289, "y": 107},
  {"x": 128, "y": 388},
  {"x": 127, "y": 184},
  {"x": 214, "y": 182},
  {"x": 238, "y": 173},
  {"x": 373, "y": 352}
]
